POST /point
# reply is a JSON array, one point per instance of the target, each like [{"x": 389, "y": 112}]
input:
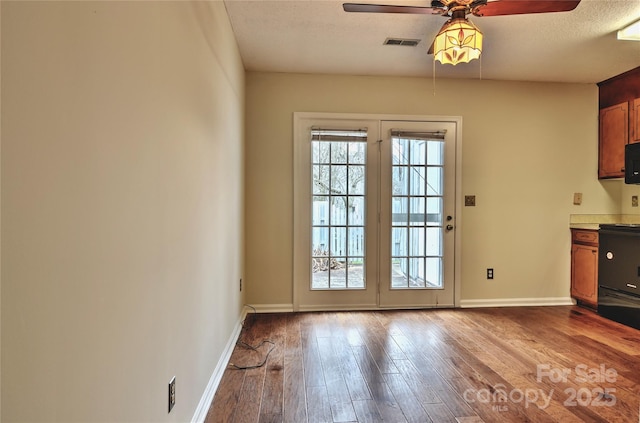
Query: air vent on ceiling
[{"x": 401, "y": 42}]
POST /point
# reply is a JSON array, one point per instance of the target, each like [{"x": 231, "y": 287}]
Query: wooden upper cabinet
[
  {"x": 619, "y": 105},
  {"x": 635, "y": 121},
  {"x": 614, "y": 135}
]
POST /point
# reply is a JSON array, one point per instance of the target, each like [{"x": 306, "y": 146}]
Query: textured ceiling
[{"x": 317, "y": 36}]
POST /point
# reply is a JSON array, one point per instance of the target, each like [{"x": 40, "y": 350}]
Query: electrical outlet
[
  {"x": 489, "y": 273},
  {"x": 172, "y": 393},
  {"x": 577, "y": 198},
  {"x": 634, "y": 201}
]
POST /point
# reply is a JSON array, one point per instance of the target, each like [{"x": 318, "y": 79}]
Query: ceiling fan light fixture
[{"x": 458, "y": 41}]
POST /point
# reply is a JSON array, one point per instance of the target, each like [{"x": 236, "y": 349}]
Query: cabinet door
[
  {"x": 584, "y": 273},
  {"x": 614, "y": 135},
  {"x": 635, "y": 121}
]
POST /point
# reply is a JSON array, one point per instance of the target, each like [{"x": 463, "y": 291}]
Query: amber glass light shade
[{"x": 459, "y": 41}]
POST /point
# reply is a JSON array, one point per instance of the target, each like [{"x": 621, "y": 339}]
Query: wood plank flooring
[{"x": 530, "y": 364}]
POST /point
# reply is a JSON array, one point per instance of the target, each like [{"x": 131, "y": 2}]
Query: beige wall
[
  {"x": 0, "y": 217},
  {"x": 122, "y": 207},
  {"x": 527, "y": 147}
]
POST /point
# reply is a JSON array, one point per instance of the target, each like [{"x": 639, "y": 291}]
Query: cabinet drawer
[{"x": 583, "y": 236}]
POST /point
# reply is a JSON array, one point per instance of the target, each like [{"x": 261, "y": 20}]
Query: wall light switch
[
  {"x": 577, "y": 198},
  {"x": 470, "y": 200}
]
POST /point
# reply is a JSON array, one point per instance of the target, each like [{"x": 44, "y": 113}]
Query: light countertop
[{"x": 593, "y": 221}]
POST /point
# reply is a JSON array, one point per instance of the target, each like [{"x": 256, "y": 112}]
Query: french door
[
  {"x": 417, "y": 219},
  {"x": 374, "y": 212}
]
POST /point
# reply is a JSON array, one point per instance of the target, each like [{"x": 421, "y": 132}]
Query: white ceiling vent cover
[{"x": 401, "y": 42}]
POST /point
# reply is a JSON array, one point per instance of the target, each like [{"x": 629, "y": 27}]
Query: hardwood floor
[{"x": 531, "y": 364}]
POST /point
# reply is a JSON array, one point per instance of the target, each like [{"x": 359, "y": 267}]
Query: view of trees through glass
[{"x": 338, "y": 213}]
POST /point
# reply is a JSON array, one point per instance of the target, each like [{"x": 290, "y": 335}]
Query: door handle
[{"x": 449, "y": 227}]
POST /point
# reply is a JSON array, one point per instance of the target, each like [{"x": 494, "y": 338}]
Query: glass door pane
[
  {"x": 416, "y": 215},
  {"x": 338, "y": 214}
]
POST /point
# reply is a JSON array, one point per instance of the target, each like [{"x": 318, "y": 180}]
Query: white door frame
[{"x": 299, "y": 224}]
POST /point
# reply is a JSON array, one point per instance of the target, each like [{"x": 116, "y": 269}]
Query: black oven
[{"x": 619, "y": 273}]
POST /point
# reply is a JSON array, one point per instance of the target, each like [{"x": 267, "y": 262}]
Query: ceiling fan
[{"x": 459, "y": 40}]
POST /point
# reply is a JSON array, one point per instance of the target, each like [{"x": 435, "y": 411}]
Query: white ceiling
[{"x": 317, "y": 36}]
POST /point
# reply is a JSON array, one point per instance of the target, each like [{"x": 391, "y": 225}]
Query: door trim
[{"x": 298, "y": 132}]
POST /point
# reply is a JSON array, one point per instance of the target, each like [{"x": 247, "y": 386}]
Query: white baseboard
[
  {"x": 272, "y": 308},
  {"x": 517, "y": 302},
  {"x": 340, "y": 307},
  {"x": 495, "y": 302},
  {"x": 207, "y": 397},
  {"x": 288, "y": 308}
]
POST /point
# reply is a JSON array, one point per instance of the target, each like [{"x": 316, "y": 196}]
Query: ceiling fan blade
[
  {"x": 385, "y": 8},
  {"x": 520, "y": 7}
]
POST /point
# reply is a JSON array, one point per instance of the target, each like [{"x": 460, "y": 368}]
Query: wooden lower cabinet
[{"x": 584, "y": 266}]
